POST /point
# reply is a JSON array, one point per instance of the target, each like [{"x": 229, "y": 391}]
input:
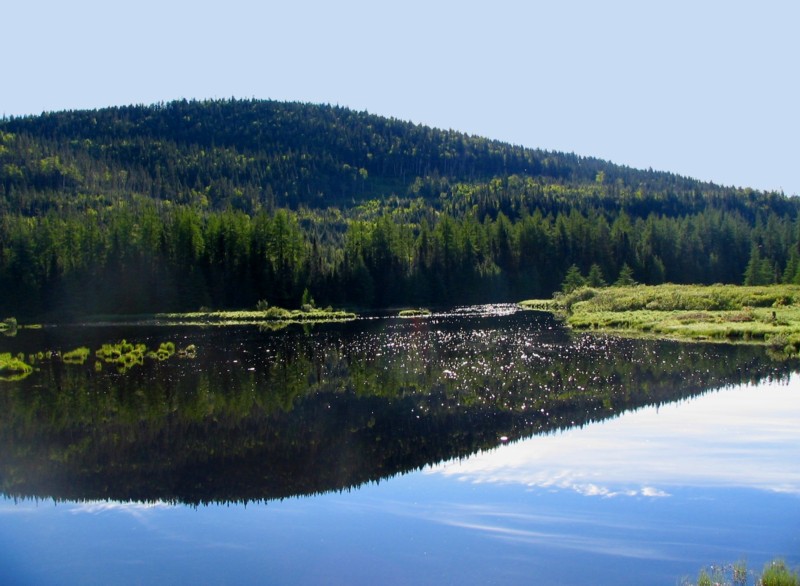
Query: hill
[{"x": 223, "y": 203}]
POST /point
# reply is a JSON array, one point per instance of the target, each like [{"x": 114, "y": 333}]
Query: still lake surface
[{"x": 484, "y": 445}]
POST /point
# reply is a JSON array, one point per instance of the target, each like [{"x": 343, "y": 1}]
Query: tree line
[
  {"x": 145, "y": 256},
  {"x": 225, "y": 203}
]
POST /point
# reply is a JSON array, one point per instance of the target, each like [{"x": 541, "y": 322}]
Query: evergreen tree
[
  {"x": 595, "y": 276},
  {"x": 625, "y": 278},
  {"x": 759, "y": 270},
  {"x": 573, "y": 280}
]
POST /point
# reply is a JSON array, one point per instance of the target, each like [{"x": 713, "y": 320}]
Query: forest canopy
[{"x": 224, "y": 203}]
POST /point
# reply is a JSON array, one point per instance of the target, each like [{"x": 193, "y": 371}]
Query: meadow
[{"x": 757, "y": 314}]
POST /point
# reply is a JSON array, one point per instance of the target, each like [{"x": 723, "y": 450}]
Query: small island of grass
[
  {"x": 418, "y": 312},
  {"x": 760, "y": 314},
  {"x": 13, "y": 367},
  {"x": 307, "y": 314}
]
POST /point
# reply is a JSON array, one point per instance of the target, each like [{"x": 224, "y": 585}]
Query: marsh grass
[
  {"x": 13, "y": 367},
  {"x": 77, "y": 356},
  {"x": 274, "y": 314},
  {"x": 767, "y": 315},
  {"x": 8, "y": 323},
  {"x": 165, "y": 351},
  {"x": 122, "y": 355},
  {"x": 775, "y": 573},
  {"x": 419, "y": 312}
]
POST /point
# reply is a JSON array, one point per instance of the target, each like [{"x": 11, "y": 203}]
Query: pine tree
[
  {"x": 625, "y": 278},
  {"x": 595, "y": 276},
  {"x": 573, "y": 280}
]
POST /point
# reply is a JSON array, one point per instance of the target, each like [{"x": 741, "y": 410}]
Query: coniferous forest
[{"x": 224, "y": 203}]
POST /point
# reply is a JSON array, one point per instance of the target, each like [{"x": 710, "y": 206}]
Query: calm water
[{"x": 480, "y": 446}]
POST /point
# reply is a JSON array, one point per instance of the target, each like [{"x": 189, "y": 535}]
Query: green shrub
[{"x": 277, "y": 313}]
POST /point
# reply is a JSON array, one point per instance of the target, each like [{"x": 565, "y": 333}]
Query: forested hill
[
  {"x": 223, "y": 203},
  {"x": 248, "y": 154}
]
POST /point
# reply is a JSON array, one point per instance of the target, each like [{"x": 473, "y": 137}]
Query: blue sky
[{"x": 707, "y": 89}]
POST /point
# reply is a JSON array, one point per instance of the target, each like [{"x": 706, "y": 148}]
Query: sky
[{"x": 706, "y": 89}]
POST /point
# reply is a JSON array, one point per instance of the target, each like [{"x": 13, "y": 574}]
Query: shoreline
[{"x": 765, "y": 315}]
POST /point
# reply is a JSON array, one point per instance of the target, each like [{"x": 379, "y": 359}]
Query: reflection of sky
[
  {"x": 728, "y": 462},
  {"x": 742, "y": 437}
]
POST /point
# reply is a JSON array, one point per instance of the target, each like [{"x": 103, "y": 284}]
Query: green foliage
[
  {"x": 595, "y": 277},
  {"x": 9, "y": 323},
  {"x": 777, "y": 573},
  {"x": 703, "y": 579},
  {"x": 573, "y": 280},
  {"x": 759, "y": 270},
  {"x": 123, "y": 355},
  {"x": 13, "y": 367},
  {"x": 223, "y": 203},
  {"x": 76, "y": 356},
  {"x": 768, "y": 315},
  {"x": 625, "y": 278},
  {"x": 126, "y": 437},
  {"x": 307, "y": 300},
  {"x": 277, "y": 313},
  {"x": 419, "y": 312},
  {"x": 165, "y": 351}
]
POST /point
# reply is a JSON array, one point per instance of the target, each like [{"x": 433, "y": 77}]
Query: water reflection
[
  {"x": 258, "y": 415},
  {"x": 744, "y": 437}
]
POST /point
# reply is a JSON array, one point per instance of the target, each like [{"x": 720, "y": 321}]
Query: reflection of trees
[{"x": 291, "y": 413}]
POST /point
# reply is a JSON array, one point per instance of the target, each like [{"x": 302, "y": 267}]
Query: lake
[{"x": 483, "y": 445}]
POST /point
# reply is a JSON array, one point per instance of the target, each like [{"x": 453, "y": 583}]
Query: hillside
[{"x": 223, "y": 203}]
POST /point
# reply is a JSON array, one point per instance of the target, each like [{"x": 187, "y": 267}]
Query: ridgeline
[{"x": 220, "y": 204}]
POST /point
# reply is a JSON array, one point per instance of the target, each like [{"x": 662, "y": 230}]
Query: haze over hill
[{"x": 225, "y": 202}]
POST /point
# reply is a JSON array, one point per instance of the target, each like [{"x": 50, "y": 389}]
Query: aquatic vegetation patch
[
  {"x": 419, "y": 312},
  {"x": 9, "y": 323},
  {"x": 77, "y": 356},
  {"x": 270, "y": 314},
  {"x": 13, "y": 367},
  {"x": 122, "y": 355},
  {"x": 165, "y": 351},
  {"x": 125, "y": 355}
]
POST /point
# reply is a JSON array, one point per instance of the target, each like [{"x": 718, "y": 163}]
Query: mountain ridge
[{"x": 394, "y": 150}]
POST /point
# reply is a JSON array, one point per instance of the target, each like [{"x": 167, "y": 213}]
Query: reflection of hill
[{"x": 275, "y": 415}]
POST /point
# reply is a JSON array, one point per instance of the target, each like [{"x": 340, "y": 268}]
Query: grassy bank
[{"x": 768, "y": 314}]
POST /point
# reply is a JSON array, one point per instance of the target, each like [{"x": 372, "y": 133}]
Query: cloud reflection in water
[{"x": 739, "y": 437}]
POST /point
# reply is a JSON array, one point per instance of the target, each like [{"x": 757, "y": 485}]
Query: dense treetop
[{"x": 226, "y": 202}]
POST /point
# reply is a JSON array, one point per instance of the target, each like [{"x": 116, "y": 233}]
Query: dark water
[{"x": 484, "y": 445}]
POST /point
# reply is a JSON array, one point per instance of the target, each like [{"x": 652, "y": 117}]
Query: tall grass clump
[{"x": 775, "y": 573}]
